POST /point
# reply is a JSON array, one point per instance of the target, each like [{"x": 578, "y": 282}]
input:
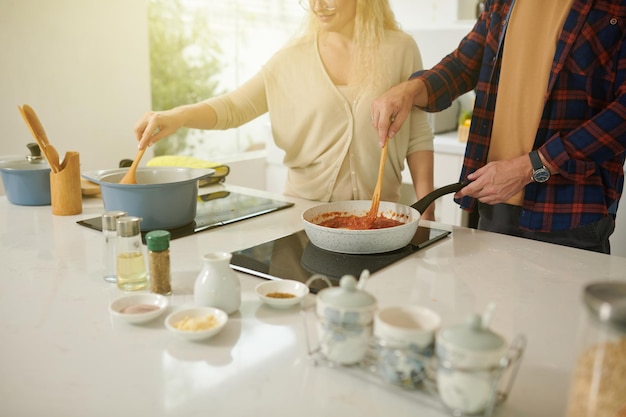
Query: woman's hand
[{"x": 154, "y": 126}]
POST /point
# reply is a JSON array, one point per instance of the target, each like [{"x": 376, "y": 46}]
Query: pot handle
[{"x": 422, "y": 204}]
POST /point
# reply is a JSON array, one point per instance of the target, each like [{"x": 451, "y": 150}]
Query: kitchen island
[{"x": 63, "y": 354}]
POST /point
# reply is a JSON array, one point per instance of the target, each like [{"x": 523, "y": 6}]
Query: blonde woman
[{"x": 318, "y": 90}]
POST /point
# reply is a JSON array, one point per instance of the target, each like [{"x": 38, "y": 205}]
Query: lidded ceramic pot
[
  {"x": 469, "y": 355},
  {"x": 345, "y": 317},
  {"x": 26, "y": 179}
]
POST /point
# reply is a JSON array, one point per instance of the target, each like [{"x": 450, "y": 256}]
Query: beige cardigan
[{"x": 319, "y": 130}]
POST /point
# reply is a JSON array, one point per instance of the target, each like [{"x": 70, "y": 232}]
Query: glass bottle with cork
[
  {"x": 158, "y": 242},
  {"x": 131, "y": 264}
]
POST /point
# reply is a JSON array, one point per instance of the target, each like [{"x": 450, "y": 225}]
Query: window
[{"x": 202, "y": 48}]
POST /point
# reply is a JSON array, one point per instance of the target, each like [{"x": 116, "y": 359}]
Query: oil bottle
[{"x": 131, "y": 263}]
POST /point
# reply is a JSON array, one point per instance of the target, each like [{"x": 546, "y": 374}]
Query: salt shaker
[
  {"x": 109, "y": 231},
  {"x": 131, "y": 264},
  {"x": 599, "y": 379},
  {"x": 158, "y": 242},
  {"x": 217, "y": 285}
]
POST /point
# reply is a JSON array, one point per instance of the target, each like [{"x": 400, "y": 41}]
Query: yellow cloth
[
  {"x": 529, "y": 48},
  {"x": 181, "y": 161},
  {"x": 221, "y": 170},
  {"x": 320, "y": 130}
]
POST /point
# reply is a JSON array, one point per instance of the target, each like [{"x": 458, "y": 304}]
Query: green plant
[{"x": 184, "y": 62}]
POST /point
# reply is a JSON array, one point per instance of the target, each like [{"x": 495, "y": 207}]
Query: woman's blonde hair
[{"x": 373, "y": 18}]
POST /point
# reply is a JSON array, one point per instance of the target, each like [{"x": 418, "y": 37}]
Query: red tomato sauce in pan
[{"x": 352, "y": 222}]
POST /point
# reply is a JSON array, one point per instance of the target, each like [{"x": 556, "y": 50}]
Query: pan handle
[{"x": 422, "y": 204}]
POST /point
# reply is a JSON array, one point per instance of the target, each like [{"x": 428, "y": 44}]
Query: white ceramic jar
[
  {"x": 405, "y": 337},
  {"x": 217, "y": 285},
  {"x": 469, "y": 356},
  {"x": 344, "y": 319}
]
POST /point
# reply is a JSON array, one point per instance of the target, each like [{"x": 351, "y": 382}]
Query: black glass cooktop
[
  {"x": 215, "y": 209},
  {"x": 295, "y": 257}
]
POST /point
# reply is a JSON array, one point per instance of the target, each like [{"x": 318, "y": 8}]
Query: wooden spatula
[
  {"x": 129, "y": 177},
  {"x": 373, "y": 213}
]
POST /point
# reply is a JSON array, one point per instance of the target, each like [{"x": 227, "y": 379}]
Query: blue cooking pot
[{"x": 26, "y": 180}]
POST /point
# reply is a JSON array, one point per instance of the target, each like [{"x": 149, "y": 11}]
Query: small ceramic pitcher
[
  {"x": 345, "y": 319},
  {"x": 217, "y": 285},
  {"x": 469, "y": 356}
]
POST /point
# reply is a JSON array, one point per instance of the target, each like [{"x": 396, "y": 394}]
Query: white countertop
[{"x": 62, "y": 354}]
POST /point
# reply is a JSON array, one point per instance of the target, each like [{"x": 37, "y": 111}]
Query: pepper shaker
[{"x": 158, "y": 242}]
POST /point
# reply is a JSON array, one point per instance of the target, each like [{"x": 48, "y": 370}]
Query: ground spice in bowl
[{"x": 280, "y": 295}]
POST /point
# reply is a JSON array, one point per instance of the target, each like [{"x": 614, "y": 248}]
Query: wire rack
[{"x": 413, "y": 373}]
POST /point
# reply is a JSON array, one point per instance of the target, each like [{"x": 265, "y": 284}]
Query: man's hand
[
  {"x": 498, "y": 181},
  {"x": 390, "y": 110}
]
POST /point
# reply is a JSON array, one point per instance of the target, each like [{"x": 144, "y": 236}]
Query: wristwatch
[{"x": 540, "y": 172}]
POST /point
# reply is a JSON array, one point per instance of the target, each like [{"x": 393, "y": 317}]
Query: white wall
[{"x": 83, "y": 65}]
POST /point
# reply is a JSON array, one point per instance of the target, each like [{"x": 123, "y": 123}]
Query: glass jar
[
  {"x": 131, "y": 264},
  {"x": 158, "y": 242},
  {"x": 109, "y": 232},
  {"x": 598, "y": 386}
]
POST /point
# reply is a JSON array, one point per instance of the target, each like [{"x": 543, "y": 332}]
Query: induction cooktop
[
  {"x": 295, "y": 257},
  {"x": 215, "y": 209}
]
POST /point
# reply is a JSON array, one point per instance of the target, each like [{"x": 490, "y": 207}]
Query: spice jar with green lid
[{"x": 158, "y": 242}]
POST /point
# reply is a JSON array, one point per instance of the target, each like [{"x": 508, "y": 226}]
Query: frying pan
[{"x": 370, "y": 240}]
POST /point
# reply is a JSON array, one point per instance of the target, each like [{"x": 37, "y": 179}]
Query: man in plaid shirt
[{"x": 547, "y": 141}]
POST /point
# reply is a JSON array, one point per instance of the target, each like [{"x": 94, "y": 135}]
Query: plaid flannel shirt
[{"x": 582, "y": 131}]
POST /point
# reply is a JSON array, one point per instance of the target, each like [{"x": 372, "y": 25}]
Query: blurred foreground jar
[
  {"x": 131, "y": 264},
  {"x": 158, "y": 242},
  {"x": 598, "y": 387}
]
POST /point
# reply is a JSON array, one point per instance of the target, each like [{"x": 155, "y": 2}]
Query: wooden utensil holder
[{"x": 65, "y": 188}]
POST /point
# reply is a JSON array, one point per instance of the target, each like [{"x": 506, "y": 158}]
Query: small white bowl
[
  {"x": 286, "y": 286},
  {"x": 193, "y": 314},
  {"x": 138, "y": 308}
]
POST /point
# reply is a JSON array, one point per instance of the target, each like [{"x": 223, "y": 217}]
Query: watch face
[{"x": 541, "y": 175}]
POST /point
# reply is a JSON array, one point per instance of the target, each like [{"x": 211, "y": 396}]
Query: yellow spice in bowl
[{"x": 194, "y": 324}]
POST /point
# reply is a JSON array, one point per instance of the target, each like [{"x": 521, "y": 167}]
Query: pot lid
[
  {"x": 347, "y": 295},
  {"x": 607, "y": 301},
  {"x": 21, "y": 163},
  {"x": 31, "y": 162},
  {"x": 473, "y": 335}
]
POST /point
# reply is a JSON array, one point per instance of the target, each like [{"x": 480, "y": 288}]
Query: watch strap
[{"x": 535, "y": 160}]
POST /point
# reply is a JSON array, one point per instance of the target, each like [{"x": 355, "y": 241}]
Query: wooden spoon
[
  {"x": 129, "y": 177},
  {"x": 373, "y": 213},
  {"x": 39, "y": 132}
]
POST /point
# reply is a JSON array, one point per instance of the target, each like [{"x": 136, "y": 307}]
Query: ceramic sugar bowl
[
  {"x": 344, "y": 320},
  {"x": 469, "y": 355}
]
